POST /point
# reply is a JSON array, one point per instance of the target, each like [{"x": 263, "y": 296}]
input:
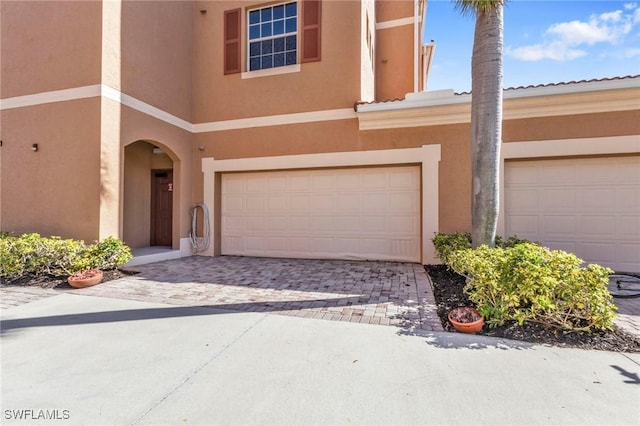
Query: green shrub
[
  {"x": 447, "y": 244},
  {"x": 106, "y": 254},
  {"x": 528, "y": 282},
  {"x": 31, "y": 253}
]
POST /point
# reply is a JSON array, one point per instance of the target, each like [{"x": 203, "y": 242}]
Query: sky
[{"x": 544, "y": 42}]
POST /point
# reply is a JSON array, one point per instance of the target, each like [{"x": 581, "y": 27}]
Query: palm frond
[{"x": 473, "y": 7}]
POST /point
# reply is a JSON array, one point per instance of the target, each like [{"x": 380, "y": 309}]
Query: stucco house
[{"x": 303, "y": 126}]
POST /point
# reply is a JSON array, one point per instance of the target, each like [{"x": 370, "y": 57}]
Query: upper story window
[
  {"x": 273, "y": 36},
  {"x": 277, "y": 35}
]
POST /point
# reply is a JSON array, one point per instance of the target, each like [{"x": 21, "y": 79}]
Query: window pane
[
  {"x": 266, "y": 14},
  {"x": 254, "y": 49},
  {"x": 291, "y": 58},
  {"x": 291, "y": 42},
  {"x": 267, "y": 62},
  {"x": 291, "y": 25},
  {"x": 278, "y": 27},
  {"x": 278, "y": 12},
  {"x": 254, "y": 32},
  {"x": 278, "y": 60},
  {"x": 254, "y": 64},
  {"x": 267, "y": 46},
  {"x": 254, "y": 16},
  {"x": 266, "y": 29},
  {"x": 278, "y": 45},
  {"x": 290, "y": 9}
]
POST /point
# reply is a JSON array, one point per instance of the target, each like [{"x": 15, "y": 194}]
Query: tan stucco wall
[
  {"x": 55, "y": 191},
  {"x": 333, "y": 82},
  {"x": 157, "y": 55},
  {"x": 577, "y": 126},
  {"x": 389, "y": 10},
  {"x": 394, "y": 62},
  {"x": 49, "y": 45}
]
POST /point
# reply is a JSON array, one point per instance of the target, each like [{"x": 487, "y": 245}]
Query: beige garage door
[
  {"x": 588, "y": 206},
  {"x": 364, "y": 213}
]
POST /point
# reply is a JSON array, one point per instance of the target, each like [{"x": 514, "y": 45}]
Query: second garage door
[
  {"x": 363, "y": 213},
  {"x": 587, "y": 206}
]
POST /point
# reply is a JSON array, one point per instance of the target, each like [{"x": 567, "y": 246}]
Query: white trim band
[
  {"x": 395, "y": 23},
  {"x": 50, "y": 97},
  {"x": 276, "y": 120}
]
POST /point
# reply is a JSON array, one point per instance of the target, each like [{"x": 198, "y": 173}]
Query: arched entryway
[{"x": 148, "y": 195}]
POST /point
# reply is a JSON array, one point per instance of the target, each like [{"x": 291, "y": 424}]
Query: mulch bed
[{"x": 448, "y": 291}]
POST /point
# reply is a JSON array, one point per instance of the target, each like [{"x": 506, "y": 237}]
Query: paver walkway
[{"x": 386, "y": 293}]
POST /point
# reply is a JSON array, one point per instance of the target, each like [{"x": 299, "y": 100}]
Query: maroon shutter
[
  {"x": 232, "y": 41},
  {"x": 310, "y": 42}
]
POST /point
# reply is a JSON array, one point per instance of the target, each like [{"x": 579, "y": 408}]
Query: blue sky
[{"x": 544, "y": 42}]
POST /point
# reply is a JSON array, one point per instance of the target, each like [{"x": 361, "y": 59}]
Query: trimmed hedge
[
  {"x": 523, "y": 281},
  {"x": 31, "y": 253}
]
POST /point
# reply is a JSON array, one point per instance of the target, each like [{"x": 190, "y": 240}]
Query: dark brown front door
[{"x": 161, "y": 207}]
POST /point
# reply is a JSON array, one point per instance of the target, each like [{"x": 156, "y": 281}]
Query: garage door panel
[
  {"x": 561, "y": 199},
  {"x": 628, "y": 199},
  {"x": 601, "y": 225},
  {"x": 599, "y": 202},
  {"x": 628, "y": 227},
  {"x": 275, "y": 184},
  {"x": 276, "y": 203},
  {"x": 558, "y": 225},
  {"x": 276, "y": 224},
  {"x": 375, "y": 180},
  {"x": 367, "y": 213},
  {"x": 376, "y": 201},
  {"x": 323, "y": 183},
  {"x": 553, "y": 174},
  {"x": 523, "y": 224},
  {"x": 522, "y": 200},
  {"x": 234, "y": 203}
]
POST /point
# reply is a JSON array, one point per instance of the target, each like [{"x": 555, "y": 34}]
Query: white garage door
[
  {"x": 364, "y": 213},
  {"x": 588, "y": 206}
]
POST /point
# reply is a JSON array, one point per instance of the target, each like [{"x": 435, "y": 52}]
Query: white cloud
[
  {"x": 563, "y": 40},
  {"x": 538, "y": 52}
]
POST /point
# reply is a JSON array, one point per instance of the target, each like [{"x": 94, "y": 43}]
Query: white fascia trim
[
  {"x": 276, "y": 120},
  {"x": 428, "y": 156},
  {"x": 449, "y": 97},
  {"x": 138, "y": 105},
  {"x": 561, "y": 89},
  {"x": 394, "y": 23},
  {"x": 63, "y": 95}
]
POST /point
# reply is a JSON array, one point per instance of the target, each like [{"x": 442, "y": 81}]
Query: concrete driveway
[{"x": 85, "y": 360}]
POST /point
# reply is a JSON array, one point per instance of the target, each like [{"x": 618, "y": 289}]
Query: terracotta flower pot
[
  {"x": 466, "y": 320},
  {"x": 85, "y": 278}
]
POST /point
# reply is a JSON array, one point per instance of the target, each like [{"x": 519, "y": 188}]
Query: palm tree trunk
[{"x": 486, "y": 124}]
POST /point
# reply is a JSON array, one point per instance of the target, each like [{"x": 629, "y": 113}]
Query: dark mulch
[
  {"x": 60, "y": 281},
  {"x": 448, "y": 291}
]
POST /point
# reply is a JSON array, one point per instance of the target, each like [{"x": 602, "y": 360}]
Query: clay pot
[
  {"x": 466, "y": 320},
  {"x": 85, "y": 278}
]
